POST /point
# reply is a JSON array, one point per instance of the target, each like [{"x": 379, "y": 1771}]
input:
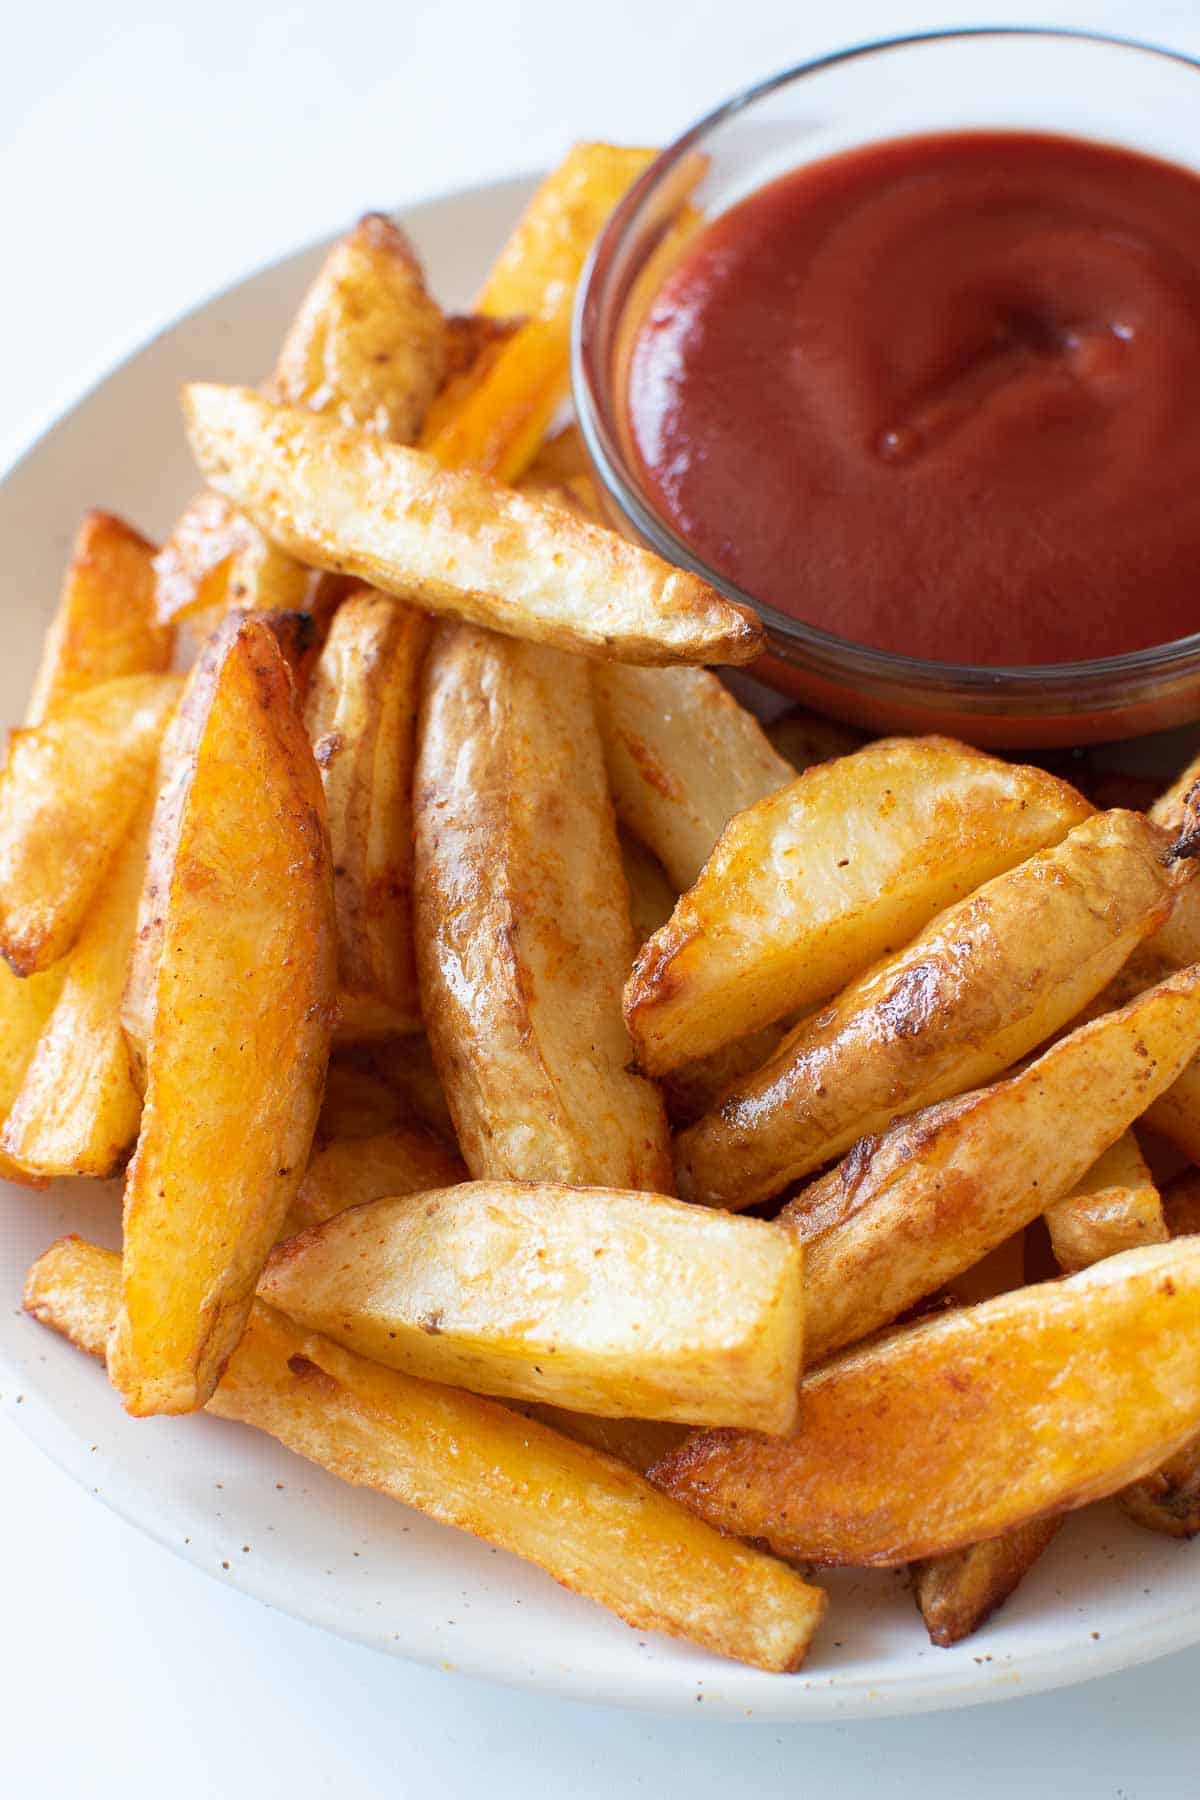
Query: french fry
[
  {"x": 78, "y": 1108},
  {"x": 215, "y": 561},
  {"x": 105, "y": 625},
  {"x": 523, "y": 932},
  {"x": 804, "y": 738},
  {"x": 903, "y": 1214},
  {"x": 959, "y": 1592},
  {"x": 1168, "y": 1499},
  {"x": 501, "y": 420},
  {"x": 1115, "y": 1207},
  {"x": 987, "y": 982},
  {"x": 25, "y": 1005},
  {"x": 453, "y": 540},
  {"x": 474, "y": 341},
  {"x": 591, "y": 1523},
  {"x": 1169, "y": 809},
  {"x": 683, "y": 757},
  {"x": 814, "y": 883},
  {"x": 695, "y": 1088},
  {"x": 539, "y": 267},
  {"x": 368, "y": 345},
  {"x": 1046, "y": 1399},
  {"x": 616, "y": 1304},
  {"x": 362, "y": 718},
  {"x": 68, "y": 794},
  {"x": 651, "y": 896},
  {"x": 1177, "y": 940},
  {"x": 348, "y": 1172},
  {"x": 240, "y": 1034}
]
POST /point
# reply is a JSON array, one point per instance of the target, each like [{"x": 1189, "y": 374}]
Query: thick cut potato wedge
[
  {"x": 969, "y": 1424},
  {"x": 591, "y": 1523},
  {"x": 651, "y": 896},
  {"x": 1115, "y": 1207},
  {"x": 215, "y": 561},
  {"x": 618, "y": 1304},
  {"x": 523, "y": 933},
  {"x": 1169, "y": 810},
  {"x": 78, "y": 1109},
  {"x": 804, "y": 738},
  {"x": 983, "y": 985},
  {"x": 25, "y": 1005},
  {"x": 1177, "y": 941},
  {"x": 695, "y": 1088},
  {"x": 368, "y": 345},
  {"x": 362, "y": 718},
  {"x": 959, "y": 1592},
  {"x": 502, "y": 419},
  {"x": 1168, "y": 1501},
  {"x": 1175, "y": 1114},
  {"x": 539, "y": 268},
  {"x": 683, "y": 757},
  {"x": 474, "y": 343},
  {"x": 68, "y": 794},
  {"x": 242, "y": 1015},
  {"x": 105, "y": 625},
  {"x": 814, "y": 883},
  {"x": 453, "y": 540},
  {"x": 903, "y": 1214},
  {"x": 348, "y": 1172}
]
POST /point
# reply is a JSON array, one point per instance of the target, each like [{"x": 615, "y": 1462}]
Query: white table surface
[{"x": 148, "y": 156}]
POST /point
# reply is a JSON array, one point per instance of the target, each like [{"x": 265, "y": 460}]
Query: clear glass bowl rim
[{"x": 1089, "y": 679}]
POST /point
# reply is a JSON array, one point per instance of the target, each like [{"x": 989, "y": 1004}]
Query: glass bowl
[{"x": 1076, "y": 83}]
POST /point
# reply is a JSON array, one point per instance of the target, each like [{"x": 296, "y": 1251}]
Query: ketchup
[{"x": 942, "y": 396}]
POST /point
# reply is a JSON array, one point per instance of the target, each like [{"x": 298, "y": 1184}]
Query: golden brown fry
[
  {"x": 453, "y": 540},
  {"x": 651, "y": 896},
  {"x": 68, "y": 794},
  {"x": 362, "y": 718},
  {"x": 805, "y": 738},
  {"x": 539, "y": 267},
  {"x": 502, "y": 418},
  {"x": 368, "y": 345},
  {"x": 902, "y": 1214},
  {"x": 959, "y": 1592},
  {"x": 105, "y": 625},
  {"x": 694, "y": 1088},
  {"x": 215, "y": 561},
  {"x": 617, "y": 1304},
  {"x": 405, "y": 1159},
  {"x": 987, "y": 982},
  {"x": 811, "y": 885},
  {"x": 1115, "y": 1207},
  {"x": 1177, "y": 941},
  {"x": 683, "y": 757},
  {"x": 25, "y": 1005},
  {"x": 474, "y": 342},
  {"x": 1168, "y": 1501},
  {"x": 240, "y": 1034},
  {"x": 591, "y": 1523},
  {"x": 971, "y": 1423},
  {"x": 523, "y": 933},
  {"x": 1168, "y": 809},
  {"x": 78, "y": 1109}
]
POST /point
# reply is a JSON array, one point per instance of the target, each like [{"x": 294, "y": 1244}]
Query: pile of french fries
[{"x": 448, "y": 961}]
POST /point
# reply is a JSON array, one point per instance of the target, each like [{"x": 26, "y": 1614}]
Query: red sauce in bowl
[{"x": 941, "y": 396}]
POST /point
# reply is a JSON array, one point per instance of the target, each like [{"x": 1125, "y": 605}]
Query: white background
[{"x": 148, "y": 156}]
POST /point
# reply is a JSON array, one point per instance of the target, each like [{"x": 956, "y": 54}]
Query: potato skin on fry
[
  {"x": 242, "y": 1015},
  {"x": 455, "y": 541},
  {"x": 969, "y": 1424},
  {"x": 1115, "y": 1207},
  {"x": 523, "y": 933},
  {"x": 900, "y": 1215},
  {"x": 368, "y": 345},
  {"x": 610, "y": 1303},
  {"x": 406, "y": 1159},
  {"x": 683, "y": 757},
  {"x": 589, "y": 1521},
  {"x": 68, "y": 793},
  {"x": 105, "y": 625},
  {"x": 810, "y": 886},
  {"x": 26, "y": 1002},
  {"x": 959, "y": 1592},
  {"x": 361, "y": 715},
  {"x": 979, "y": 988}
]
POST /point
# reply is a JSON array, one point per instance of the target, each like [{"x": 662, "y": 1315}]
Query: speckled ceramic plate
[{"x": 233, "y": 1502}]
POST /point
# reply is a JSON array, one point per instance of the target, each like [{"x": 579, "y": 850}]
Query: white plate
[{"x": 231, "y": 1501}]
